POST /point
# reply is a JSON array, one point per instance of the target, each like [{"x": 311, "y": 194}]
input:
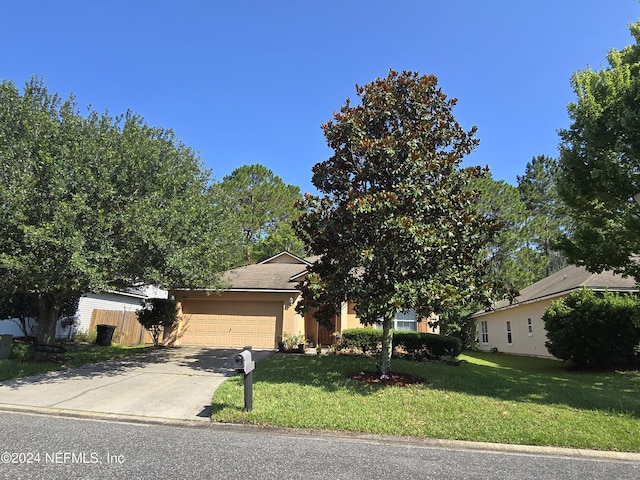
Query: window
[
  {"x": 509, "y": 337},
  {"x": 529, "y": 327},
  {"x": 485, "y": 332},
  {"x": 404, "y": 321}
]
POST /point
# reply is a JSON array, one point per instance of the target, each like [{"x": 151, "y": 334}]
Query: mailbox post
[{"x": 245, "y": 365}]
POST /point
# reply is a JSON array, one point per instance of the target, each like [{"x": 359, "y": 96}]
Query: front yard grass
[
  {"x": 487, "y": 398},
  {"x": 21, "y": 364}
]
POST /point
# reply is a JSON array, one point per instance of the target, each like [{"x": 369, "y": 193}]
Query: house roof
[
  {"x": 279, "y": 273},
  {"x": 264, "y": 277},
  {"x": 567, "y": 280}
]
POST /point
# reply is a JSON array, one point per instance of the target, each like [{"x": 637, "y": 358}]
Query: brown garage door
[{"x": 231, "y": 324}]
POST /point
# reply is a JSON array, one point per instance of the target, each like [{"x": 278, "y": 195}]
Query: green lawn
[
  {"x": 489, "y": 398},
  {"x": 20, "y": 364}
]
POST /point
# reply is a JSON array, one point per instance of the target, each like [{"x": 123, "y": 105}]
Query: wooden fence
[{"x": 128, "y": 330}]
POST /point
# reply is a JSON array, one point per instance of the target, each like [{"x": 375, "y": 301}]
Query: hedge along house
[
  {"x": 259, "y": 307},
  {"x": 518, "y": 328}
]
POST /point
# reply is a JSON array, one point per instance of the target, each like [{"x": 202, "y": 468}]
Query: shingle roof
[
  {"x": 566, "y": 280},
  {"x": 265, "y": 276}
]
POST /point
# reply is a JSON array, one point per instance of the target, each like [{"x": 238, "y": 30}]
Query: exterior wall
[
  {"x": 351, "y": 320},
  {"x": 10, "y": 327},
  {"x": 522, "y": 343},
  {"x": 424, "y": 327},
  {"x": 285, "y": 258}
]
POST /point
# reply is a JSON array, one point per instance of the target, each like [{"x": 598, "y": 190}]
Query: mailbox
[{"x": 243, "y": 362}]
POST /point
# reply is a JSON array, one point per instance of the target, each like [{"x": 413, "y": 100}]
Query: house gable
[{"x": 285, "y": 257}]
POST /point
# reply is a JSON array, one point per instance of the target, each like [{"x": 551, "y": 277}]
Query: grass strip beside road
[
  {"x": 487, "y": 398},
  {"x": 21, "y": 364}
]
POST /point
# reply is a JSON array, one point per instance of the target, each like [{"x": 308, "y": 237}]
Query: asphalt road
[{"x": 42, "y": 447}]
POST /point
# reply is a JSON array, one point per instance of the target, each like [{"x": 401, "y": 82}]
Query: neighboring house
[
  {"x": 518, "y": 328},
  {"x": 259, "y": 306},
  {"x": 119, "y": 301}
]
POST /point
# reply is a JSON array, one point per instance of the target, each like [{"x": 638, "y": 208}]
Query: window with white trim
[
  {"x": 405, "y": 320},
  {"x": 485, "y": 332},
  {"x": 509, "y": 336},
  {"x": 529, "y": 327}
]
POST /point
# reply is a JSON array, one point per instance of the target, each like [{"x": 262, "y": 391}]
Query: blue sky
[{"x": 251, "y": 81}]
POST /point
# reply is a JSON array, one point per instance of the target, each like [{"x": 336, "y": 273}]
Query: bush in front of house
[
  {"x": 594, "y": 330},
  {"x": 158, "y": 316},
  {"x": 435, "y": 345},
  {"x": 368, "y": 339}
]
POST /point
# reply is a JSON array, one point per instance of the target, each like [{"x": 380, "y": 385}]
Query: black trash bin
[{"x": 105, "y": 335}]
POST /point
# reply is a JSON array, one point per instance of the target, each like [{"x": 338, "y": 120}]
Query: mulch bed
[{"x": 396, "y": 380}]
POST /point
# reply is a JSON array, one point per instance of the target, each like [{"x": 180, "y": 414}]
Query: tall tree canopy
[
  {"x": 600, "y": 163},
  {"x": 263, "y": 208},
  {"x": 508, "y": 253},
  {"x": 92, "y": 203},
  {"x": 546, "y": 214},
  {"x": 397, "y": 226}
]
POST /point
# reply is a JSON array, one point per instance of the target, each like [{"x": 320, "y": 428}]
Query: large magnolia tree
[
  {"x": 397, "y": 226},
  {"x": 93, "y": 203},
  {"x": 600, "y": 164}
]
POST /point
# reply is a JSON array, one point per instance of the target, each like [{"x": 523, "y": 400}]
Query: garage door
[{"x": 231, "y": 324}]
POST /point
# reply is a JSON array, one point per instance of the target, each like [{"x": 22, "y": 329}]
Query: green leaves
[
  {"x": 91, "y": 203},
  {"x": 397, "y": 227},
  {"x": 261, "y": 208},
  {"x": 599, "y": 163}
]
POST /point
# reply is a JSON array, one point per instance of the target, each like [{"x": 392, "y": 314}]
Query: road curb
[{"x": 326, "y": 435}]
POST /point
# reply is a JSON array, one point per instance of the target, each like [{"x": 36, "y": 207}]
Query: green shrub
[
  {"x": 435, "y": 345},
  {"x": 157, "y": 316},
  {"x": 88, "y": 336},
  {"x": 593, "y": 330},
  {"x": 368, "y": 339},
  {"x": 21, "y": 351}
]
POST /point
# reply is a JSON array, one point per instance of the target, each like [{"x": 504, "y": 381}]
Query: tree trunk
[
  {"x": 48, "y": 314},
  {"x": 387, "y": 347}
]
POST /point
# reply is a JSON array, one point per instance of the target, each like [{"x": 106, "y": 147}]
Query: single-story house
[
  {"x": 120, "y": 301},
  {"x": 517, "y": 327},
  {"x": 259, "y": 306}
]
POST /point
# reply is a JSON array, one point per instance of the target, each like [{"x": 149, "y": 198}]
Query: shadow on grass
[{"x": 499, "y": 376}]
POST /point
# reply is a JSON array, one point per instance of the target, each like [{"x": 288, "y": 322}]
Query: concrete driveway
[{"x": 167, "y": 384}]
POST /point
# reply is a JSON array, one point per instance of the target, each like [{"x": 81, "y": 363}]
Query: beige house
[
  {"x": 259, "y": 307},
  {"x": 518, "y": 328}
]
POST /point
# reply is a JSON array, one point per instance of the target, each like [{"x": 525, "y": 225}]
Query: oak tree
[
  {"x": 600, "y": 164},
  {"x": 396, "y": 227},
  {"x": 94, "y": 203}
]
